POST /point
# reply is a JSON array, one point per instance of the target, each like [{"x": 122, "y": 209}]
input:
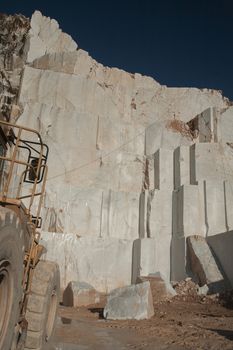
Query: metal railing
[
  {"x": 21, "y": 153},
  {"x": 26, "y": 159}
]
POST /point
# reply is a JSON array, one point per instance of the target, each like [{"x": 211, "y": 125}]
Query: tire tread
[{"x": 44, "y": 274}]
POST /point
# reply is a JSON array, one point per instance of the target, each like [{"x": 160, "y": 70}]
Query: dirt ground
[{"x": 183, "y": 322}]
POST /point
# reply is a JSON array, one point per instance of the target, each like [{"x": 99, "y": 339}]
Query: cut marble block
[
  {"x": 131, "y": 302},
  {"x": 79, "y": 294},
  {"x": 163, "y": 164},
  {"x": 163, "y": 255},
  {"x": 105, "y": 263},
  {"x": 207, "y": 121},
  {"x": 159, "y": 213},
  {"x": 210, "y": 161},
  {"x": 204, "y": 265},
  {"x": 181, "y": 166},
  {"x": 144, "y": 259},
  {"x": 156, "y": 210},
  {"x": 188, "y": 211},
  {"x": 228, "y": 192},
  {"x": 215, "y": 207},
  {"x": 225, "y": 125},
  {"x": 178, "y": 259},
  {"x": 203, "y": 162},
  {"x": 221, "y": 245},
  {"x": 204, "y": 125}
]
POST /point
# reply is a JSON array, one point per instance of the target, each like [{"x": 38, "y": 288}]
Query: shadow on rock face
[
  {"x": 224, "y": 333},
  {"x": 98, "y": 310},
  {"x": 66, "y": 320}
]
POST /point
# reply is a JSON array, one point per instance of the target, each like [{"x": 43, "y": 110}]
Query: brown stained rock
[{"x": 160, "y": 288}]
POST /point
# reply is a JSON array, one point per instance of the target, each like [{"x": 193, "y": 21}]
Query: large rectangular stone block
[
  {"x": 222, "y": 247},
  {"x": 178, "y": 259},
  {"x": 132, "y": 302},
  {"x": 210, "y": 161},
  {"x": 207, "y": 121},
  {"x": 228, "y": 193},
  {"x": 144, "y": 258},
  {"x": 79, "y": 294},
  {"x": 225, "y": 125},
  {"x": 204, "y": 265},
  {"x": 163, "y": 163},
  {"x": 105, "y": 263},
  {"x": 163, "y": 255},
  {"x": 159, "y": 227},
  {"x": 159, "y": 213},
  {"x": 204, "y": 125},
  {"x": 181, "y": 166},
  {"x": 188, "y": 211},
  {"x": 215, "y": 207}
]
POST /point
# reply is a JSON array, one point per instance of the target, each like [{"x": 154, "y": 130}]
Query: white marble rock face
[
  {"x": 122, "y": 163},
  {"x": 46, "y": 37},
  {"x": 105, "y": 263}
]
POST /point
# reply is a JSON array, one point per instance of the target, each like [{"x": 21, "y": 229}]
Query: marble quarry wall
[{"x": 135, "y": 167}]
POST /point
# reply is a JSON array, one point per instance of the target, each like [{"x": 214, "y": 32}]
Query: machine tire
[
  {"x": 42, "y": 305},
  {"x": 11, "y": 274}
]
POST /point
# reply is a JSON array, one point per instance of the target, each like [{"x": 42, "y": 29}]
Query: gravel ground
[{"x": 185, "y": 322}]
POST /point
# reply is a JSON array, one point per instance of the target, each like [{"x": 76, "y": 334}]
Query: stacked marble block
[
  {"x": 188, "y": 193},
  {"x": 202, "y": 201},
  {"x": 191, "y": 193},
  {"x": 156, "y": 211}
]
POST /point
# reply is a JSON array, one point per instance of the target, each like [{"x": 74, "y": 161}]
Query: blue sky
[{"x": 179, "y": 43}]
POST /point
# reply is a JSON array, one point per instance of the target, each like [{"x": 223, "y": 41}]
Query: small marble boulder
[
  {"x": 131, "y": 302},
  {"x": 79, "y": 294}
]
